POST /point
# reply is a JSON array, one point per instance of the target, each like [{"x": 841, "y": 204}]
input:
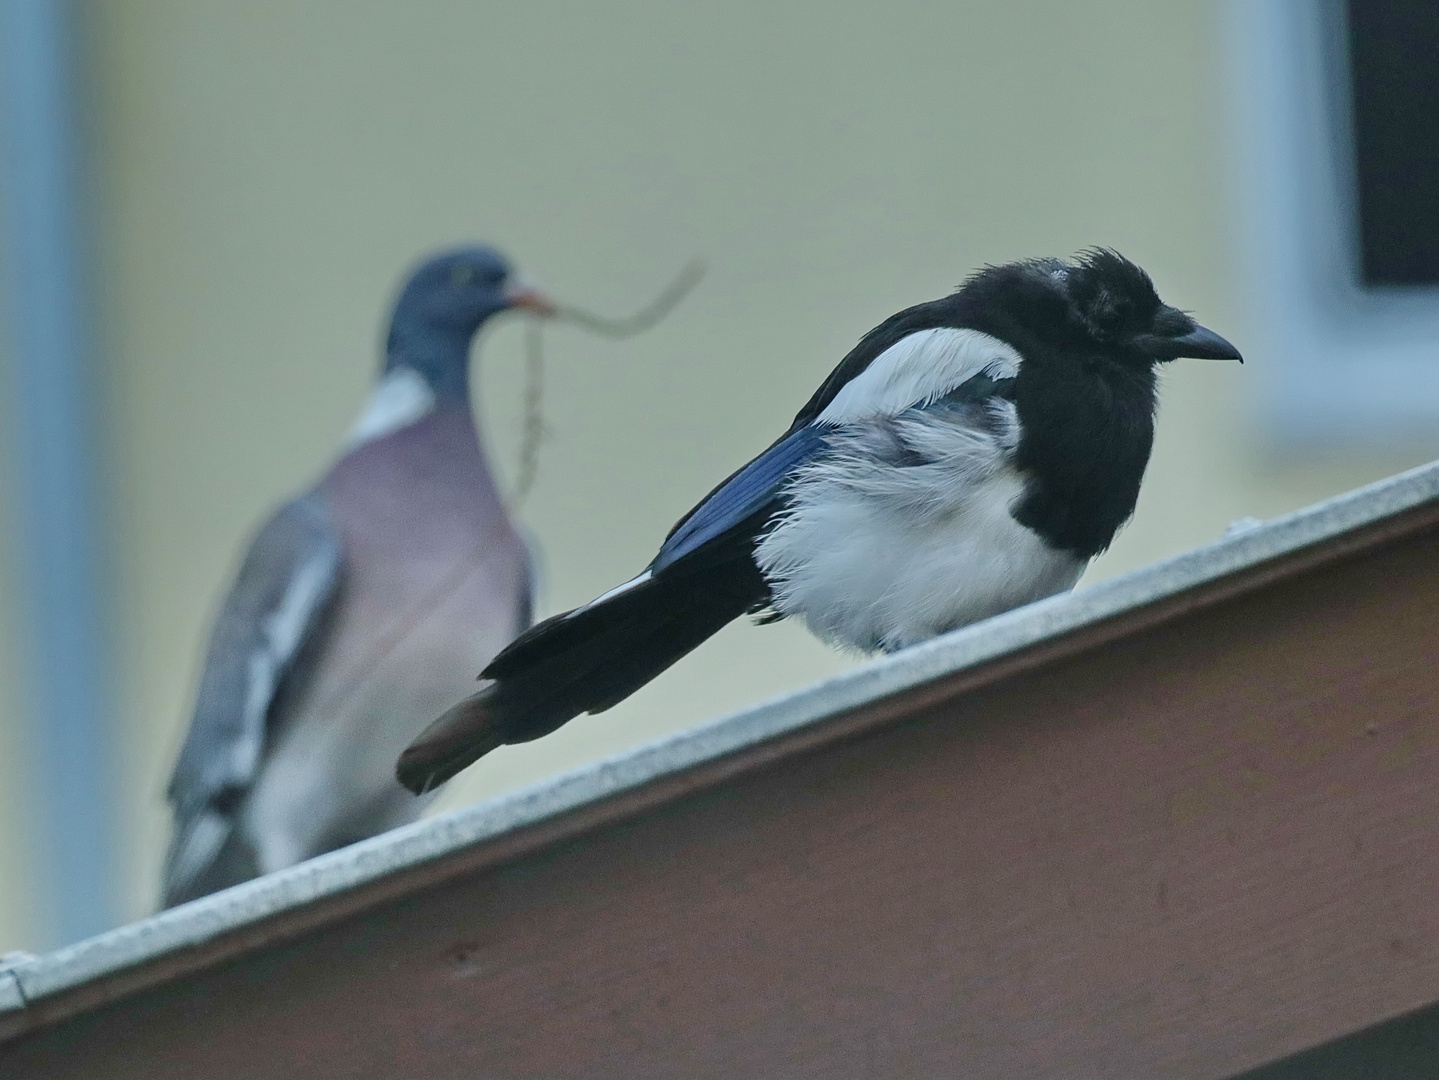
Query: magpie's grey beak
[
  {"x": 1200, "y": 343},
  {"x": 1204, "y": 344},
  {"x": 521, "y": 294}
]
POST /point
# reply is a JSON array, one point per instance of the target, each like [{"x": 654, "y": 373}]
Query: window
[
  {"x": 1393, "y": 54},
  {"x": 1336, "y": 113}
]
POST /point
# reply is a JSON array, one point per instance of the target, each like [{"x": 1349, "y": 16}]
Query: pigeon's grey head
[
  {"x": 1099, "y": 304},
  {"x": 444, "y": 302}
]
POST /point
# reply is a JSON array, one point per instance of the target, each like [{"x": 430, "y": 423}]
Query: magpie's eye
[
  {"x": 462, "y": 276},
  {"x": 1107, "y": 313},
  {"x": 1108, "y": 319}
]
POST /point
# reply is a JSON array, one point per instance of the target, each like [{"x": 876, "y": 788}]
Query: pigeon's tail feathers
[
  {"x": 193, "y": 850},
  {"x": 206, "y": 854},
  {"x": 583, "y": 661}
]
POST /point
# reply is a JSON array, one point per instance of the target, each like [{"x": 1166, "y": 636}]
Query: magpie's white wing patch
[{"x": 918, "y": 369}]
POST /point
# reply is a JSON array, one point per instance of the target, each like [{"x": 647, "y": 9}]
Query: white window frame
[{"x": 1339, "y": 364}]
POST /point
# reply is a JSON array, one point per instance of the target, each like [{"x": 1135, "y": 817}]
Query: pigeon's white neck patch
[
  {"x": 918, "y": 369},
  {"x": 397, "y": 401}
]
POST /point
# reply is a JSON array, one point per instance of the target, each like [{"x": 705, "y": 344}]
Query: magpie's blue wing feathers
[
  {"x": 748, "y": 490},
  {"x": 741, "y": 496}
]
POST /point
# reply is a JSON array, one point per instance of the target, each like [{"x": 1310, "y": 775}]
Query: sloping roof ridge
[{"x": 26, "y": 979}]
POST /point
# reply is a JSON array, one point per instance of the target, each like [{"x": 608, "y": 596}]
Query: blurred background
[{"x": 245, "y": 183}]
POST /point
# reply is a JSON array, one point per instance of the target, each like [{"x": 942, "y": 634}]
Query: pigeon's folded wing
[{"x": 284, "y": 586}]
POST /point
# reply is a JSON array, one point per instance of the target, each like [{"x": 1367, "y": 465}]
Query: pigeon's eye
[{"x": 462, "y": 276}]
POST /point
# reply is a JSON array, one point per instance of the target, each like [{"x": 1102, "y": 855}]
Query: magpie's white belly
[{"x": 878, "y": 557}]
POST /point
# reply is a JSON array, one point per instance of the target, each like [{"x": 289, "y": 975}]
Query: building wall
[{"x": 268, "y": 169}]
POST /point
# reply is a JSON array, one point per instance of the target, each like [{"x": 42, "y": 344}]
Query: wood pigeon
[{"x": 362, "y": 607}]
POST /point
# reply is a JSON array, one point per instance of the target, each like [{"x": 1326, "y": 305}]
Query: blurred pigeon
[
  {"x": 362, "y": 608},
  {"x": 969, "y": 455}
]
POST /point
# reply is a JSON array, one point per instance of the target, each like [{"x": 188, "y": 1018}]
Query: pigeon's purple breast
[
  {"x": 417, "y": 502},
  {"x": 434, "y": 581}
]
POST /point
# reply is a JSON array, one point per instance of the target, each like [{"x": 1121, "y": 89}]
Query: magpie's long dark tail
[{"x": 583, "y": 661}]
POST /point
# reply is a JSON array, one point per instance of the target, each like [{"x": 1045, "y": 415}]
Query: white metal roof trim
[{"x": 203, "y": 919}]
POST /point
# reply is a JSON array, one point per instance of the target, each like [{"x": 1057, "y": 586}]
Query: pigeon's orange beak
[{"x": 523, "y": 295}]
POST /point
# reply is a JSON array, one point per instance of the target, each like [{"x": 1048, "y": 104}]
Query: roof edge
[{"x": 190, "y": 925}]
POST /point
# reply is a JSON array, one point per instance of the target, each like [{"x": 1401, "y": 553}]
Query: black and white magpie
[{"x": 970, "y": 455}]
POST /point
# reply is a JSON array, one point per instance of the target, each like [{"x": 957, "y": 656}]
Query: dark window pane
[{"x": 1394, "y": 58}]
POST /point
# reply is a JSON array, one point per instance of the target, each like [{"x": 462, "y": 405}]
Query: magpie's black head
[
  {"x": 1114, "y": 302},
  {"x": 1090, "y": 332},
  {"x": 1098, "y": 303},
  {"x": 444, "y": 302}
]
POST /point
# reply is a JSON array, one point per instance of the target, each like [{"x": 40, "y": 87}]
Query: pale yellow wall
[{"x": 268, "y": 168}]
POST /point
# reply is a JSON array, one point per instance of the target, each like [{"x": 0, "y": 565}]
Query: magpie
[
  {"x": 969, "y": 455},
  {"x": 361, "y": 608}
]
